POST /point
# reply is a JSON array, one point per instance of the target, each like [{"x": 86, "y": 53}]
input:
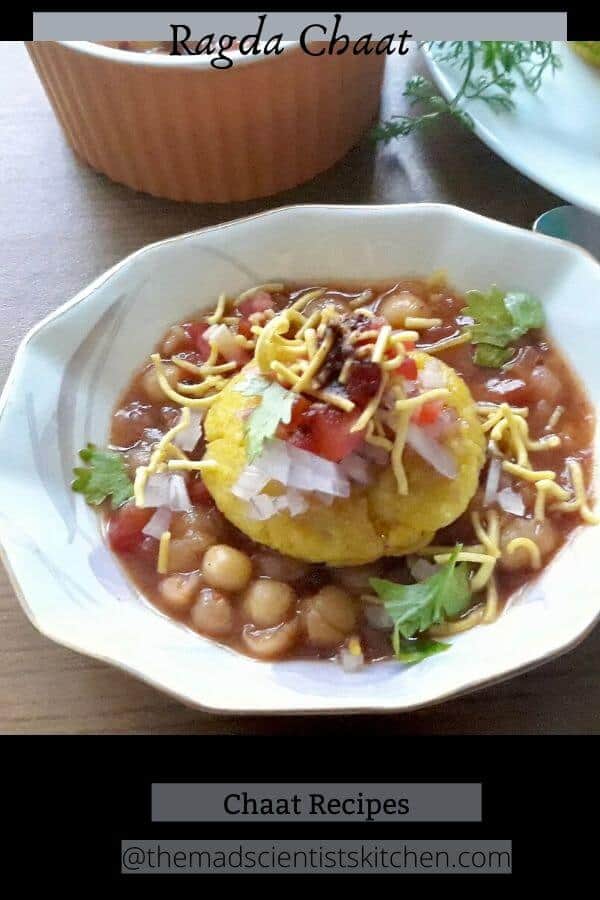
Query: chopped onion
[
  {"x": 298, "y": 471},
  {"x": 262, "y": 507},
  {"x": 250, "y": 483},
  {"x": 274, "y": 462},
  {"x": 157, "y": 490},
  {"x": 492, "y": 481},
  {"x": 350, "y": 662},
  {"x": 302, "y": 470},
  {"x": 511, "y": 502},
  {"x": 432, "y": 375},
  {"x": 432, "y": 452},
  {"x": 167, "y": 489},
  {"x": 326, "y": 499},
  {"x": 159, "y": 523},
  {"x": 188, "y": 438},
  {"x": 179, "y": 497},
  {"x": 421, "y": 569},
  {"x": 378, "y": 617},
  {"x": 356, "y": 469},
  {"x": 443, "y": 425},
  {"x": 224, "y": 339},
  {"x": 296, "y": 503}
]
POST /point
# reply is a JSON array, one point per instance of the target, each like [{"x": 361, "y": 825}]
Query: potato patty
[{"x": 374, "y": 521}]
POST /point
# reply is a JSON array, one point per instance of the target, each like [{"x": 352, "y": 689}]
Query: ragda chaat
[{"x": 345, "y": 471}]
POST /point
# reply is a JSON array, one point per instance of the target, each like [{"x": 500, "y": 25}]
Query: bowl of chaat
[{"x": 370, "y": 486}]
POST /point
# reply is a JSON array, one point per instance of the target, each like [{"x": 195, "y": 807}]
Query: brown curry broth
[{"x": 575, "y": 427}]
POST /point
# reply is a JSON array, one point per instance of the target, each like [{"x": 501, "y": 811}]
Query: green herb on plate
[
  {"x": 500, "y": 320},
  {"x": 104, "y": 475},
  {"x": 414, "y": 608},
  {"x": 275, "y": 408},
  {"x": 492, "y": 71}
]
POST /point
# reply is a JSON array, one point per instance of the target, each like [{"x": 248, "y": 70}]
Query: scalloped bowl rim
[{"x": 373, "y": 705}]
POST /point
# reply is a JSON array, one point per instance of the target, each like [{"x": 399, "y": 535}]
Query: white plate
[
  {"x": 553, "y": 136},
  {"x": 71, "y": 367}
]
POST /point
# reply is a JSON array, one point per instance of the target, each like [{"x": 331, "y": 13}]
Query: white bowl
[{"x": 71, "y": 367}]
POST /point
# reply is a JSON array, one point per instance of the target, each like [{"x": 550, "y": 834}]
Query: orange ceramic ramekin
[{"x": 177, "y": 127}]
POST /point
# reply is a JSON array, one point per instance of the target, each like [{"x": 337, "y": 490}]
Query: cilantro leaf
[
  {"x": 105, "y": 475},
  {"x": 500, "y": 319},
  {"x": 526, "y": 311},
  {"x": 491, "y": 73},
  {"x": 416, "y": 650},
  {"x": 275, "y": 407},
  {"x": 414, "y": 608},
  {"x": 490, "y": 357}
]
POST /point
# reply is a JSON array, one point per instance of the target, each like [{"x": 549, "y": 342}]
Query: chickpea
[
  {"x": 396, "y": 307},
  {"x": 150, "y": 383},
  {"x": 543, "y": 533},
  {"x": 329, "y": 616},
  {"x": 178, "y": 591},
  {"x": 270, "y": 643},
  {"x": 175, "y": 339},
  {"x": 281, "y": 568},
  {"x": 226, "y": 568},
  {"x": 212, "y": 613},
  {"x": 267, "y": 602},
  {"x": 338, "y": 303},
  {"x": 194, "y": 523},
  {"x": 185, "y": 554},
  {"x": 544, "y": 384},
  {"x": 356, "y": 578},
  {"x": 129, "y": 424}
]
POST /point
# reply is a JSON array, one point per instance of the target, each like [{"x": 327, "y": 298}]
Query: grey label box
[
  {"x": 227, "y": 802},
  {"x": 422, "y": 25}
]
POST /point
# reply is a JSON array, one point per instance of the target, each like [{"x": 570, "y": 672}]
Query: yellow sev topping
[
  {"x": 579, "y": 501},
  {"x": 162, "y": 565},
  {"x": 219, "y": 312},
  {"x": 421, "y": 324},
  {"x": 381, "y": 343},
  {"x": 193, "y": 402},
  {"x": 530, "y": 547},
  {"x": 447, "y": 343},
  {"x": 412, "y": 403},
  {"x": 271, "y": 287},
  {"x": 354, "y": 646},
  {"x": 161, "y": 459}
]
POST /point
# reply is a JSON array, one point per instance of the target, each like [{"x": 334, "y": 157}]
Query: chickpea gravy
[{"x": 346, "y": 471}]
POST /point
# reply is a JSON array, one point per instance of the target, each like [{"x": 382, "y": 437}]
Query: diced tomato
[
  {"x": 408, "y": 345},
  {"x": 125, "y": 528},
  {"x": 245, "y": 328},
  {"x": 364, "y": 379},
  {"x": 408, "y": 368},
  {"x": 261, "y": 301},
  {"x": 199, "y": 493},
  {"x": 196, "y": 332},
  {"x": 327, "y": 432},
  {"x": 303, "y": 438},
  {"x": 300, "y": 407},
  {"x": 428, "y": 412}
]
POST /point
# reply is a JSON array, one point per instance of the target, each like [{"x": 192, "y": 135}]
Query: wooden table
[{"x": 61, "y": 225}]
